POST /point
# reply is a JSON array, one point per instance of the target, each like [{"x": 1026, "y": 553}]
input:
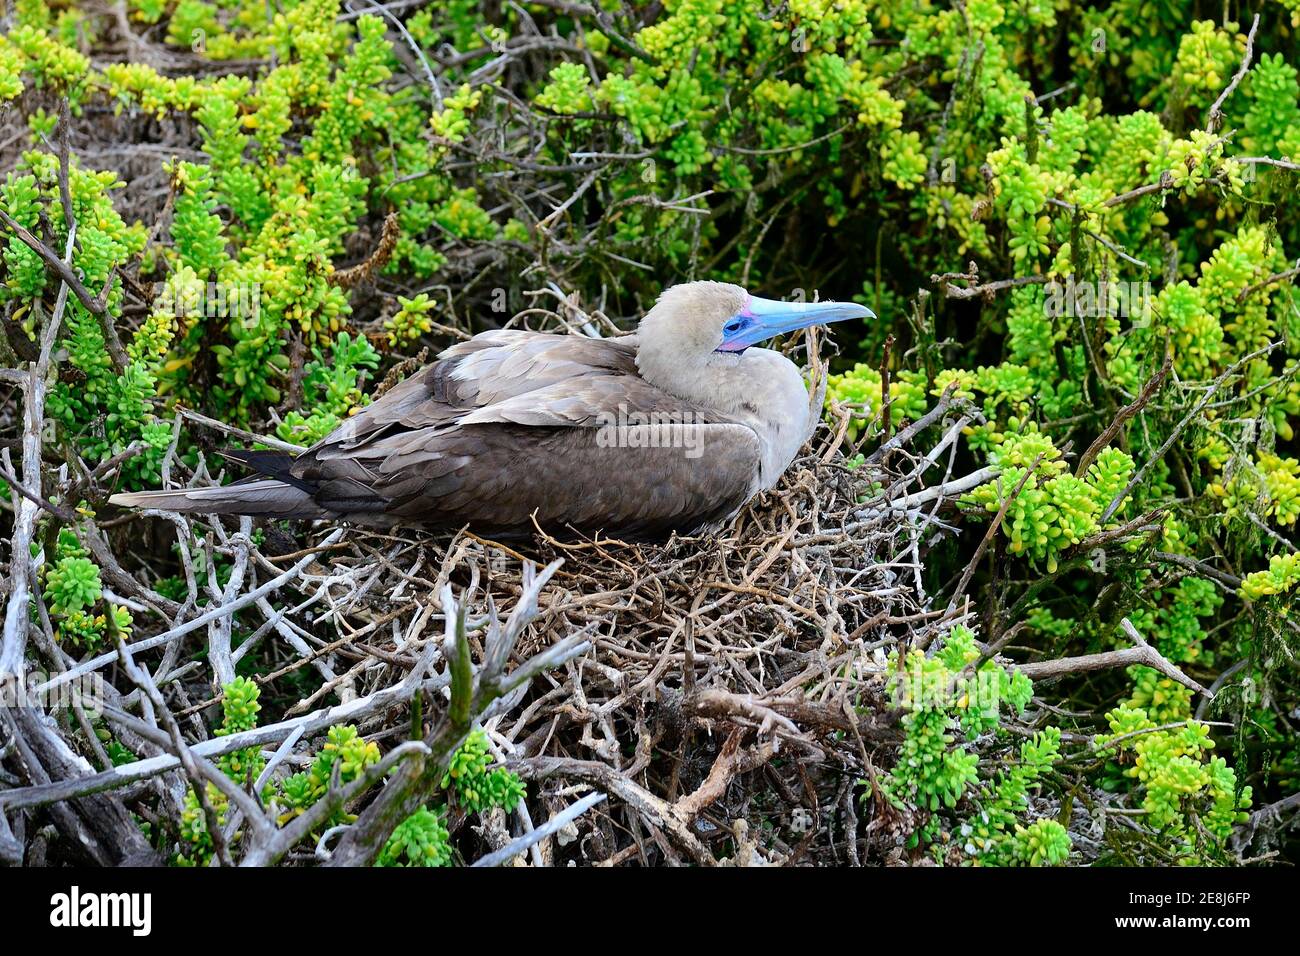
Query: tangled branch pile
[{"x": 713, "y": 688}]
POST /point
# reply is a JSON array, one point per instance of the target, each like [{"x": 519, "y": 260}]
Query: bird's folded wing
[
  {"x": 492, "y": 367},
  {"x": 496, "y": 477},
  {"x": 589, "y": 401},
  {"x": 583, "y": 440}
]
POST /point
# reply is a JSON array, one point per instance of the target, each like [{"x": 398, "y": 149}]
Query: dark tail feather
[
  {"x": 269, "y": 464},
  {"x": 264, "y": 496}
]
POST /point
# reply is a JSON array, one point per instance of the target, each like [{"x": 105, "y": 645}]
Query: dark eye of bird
[{"x": 732, "y": 326}]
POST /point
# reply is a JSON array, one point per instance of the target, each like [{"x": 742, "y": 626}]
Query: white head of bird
[{"x": 699, "y": 344}]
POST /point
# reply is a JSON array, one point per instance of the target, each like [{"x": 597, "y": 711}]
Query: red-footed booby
[{"x": 673, "y": 428}]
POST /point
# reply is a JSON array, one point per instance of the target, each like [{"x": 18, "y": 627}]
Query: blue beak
[{"x": 761, "y": 319}]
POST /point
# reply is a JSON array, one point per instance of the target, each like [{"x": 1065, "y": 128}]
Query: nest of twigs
[
  {"x": 725, "y": 692},
  {"x": 734, "y": 683}
]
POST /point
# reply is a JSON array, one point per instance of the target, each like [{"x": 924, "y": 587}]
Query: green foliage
[
  {"x": 294, "y": 794},
  {"x": 73, "y": 584},
  {"x": 422, "y": 838},
  {"x": 240, "y": 706},
  {"x": 1192, "y": 802},
  {"x": 861, "y": 388},
  {"x": 994, "y": 834},
  {"x": 1054, "y": 510},
  {"x": 476, "y": 787},
  {"x": 72, "y": 589},
  {"x": 345, "y": 751},
  {"x": 118, "y": 753},
  {"x": 195, "y": 839},
  {"x": 1176, "y": 622},
  {"x": 1282, "y": 575},
  {"x": 331, "y": 387},
  {"x": 569, "y": 90},
  {"x": 419, "y": 840},
  {"x": 237, "y": 286},
  {"x": 1042, "y": 843},
  {"x": 411, "y": 320},
  {"x": 949, "y": 703}
]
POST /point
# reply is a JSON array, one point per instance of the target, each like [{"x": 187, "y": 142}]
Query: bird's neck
[{"x": 758, "y": 387}]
